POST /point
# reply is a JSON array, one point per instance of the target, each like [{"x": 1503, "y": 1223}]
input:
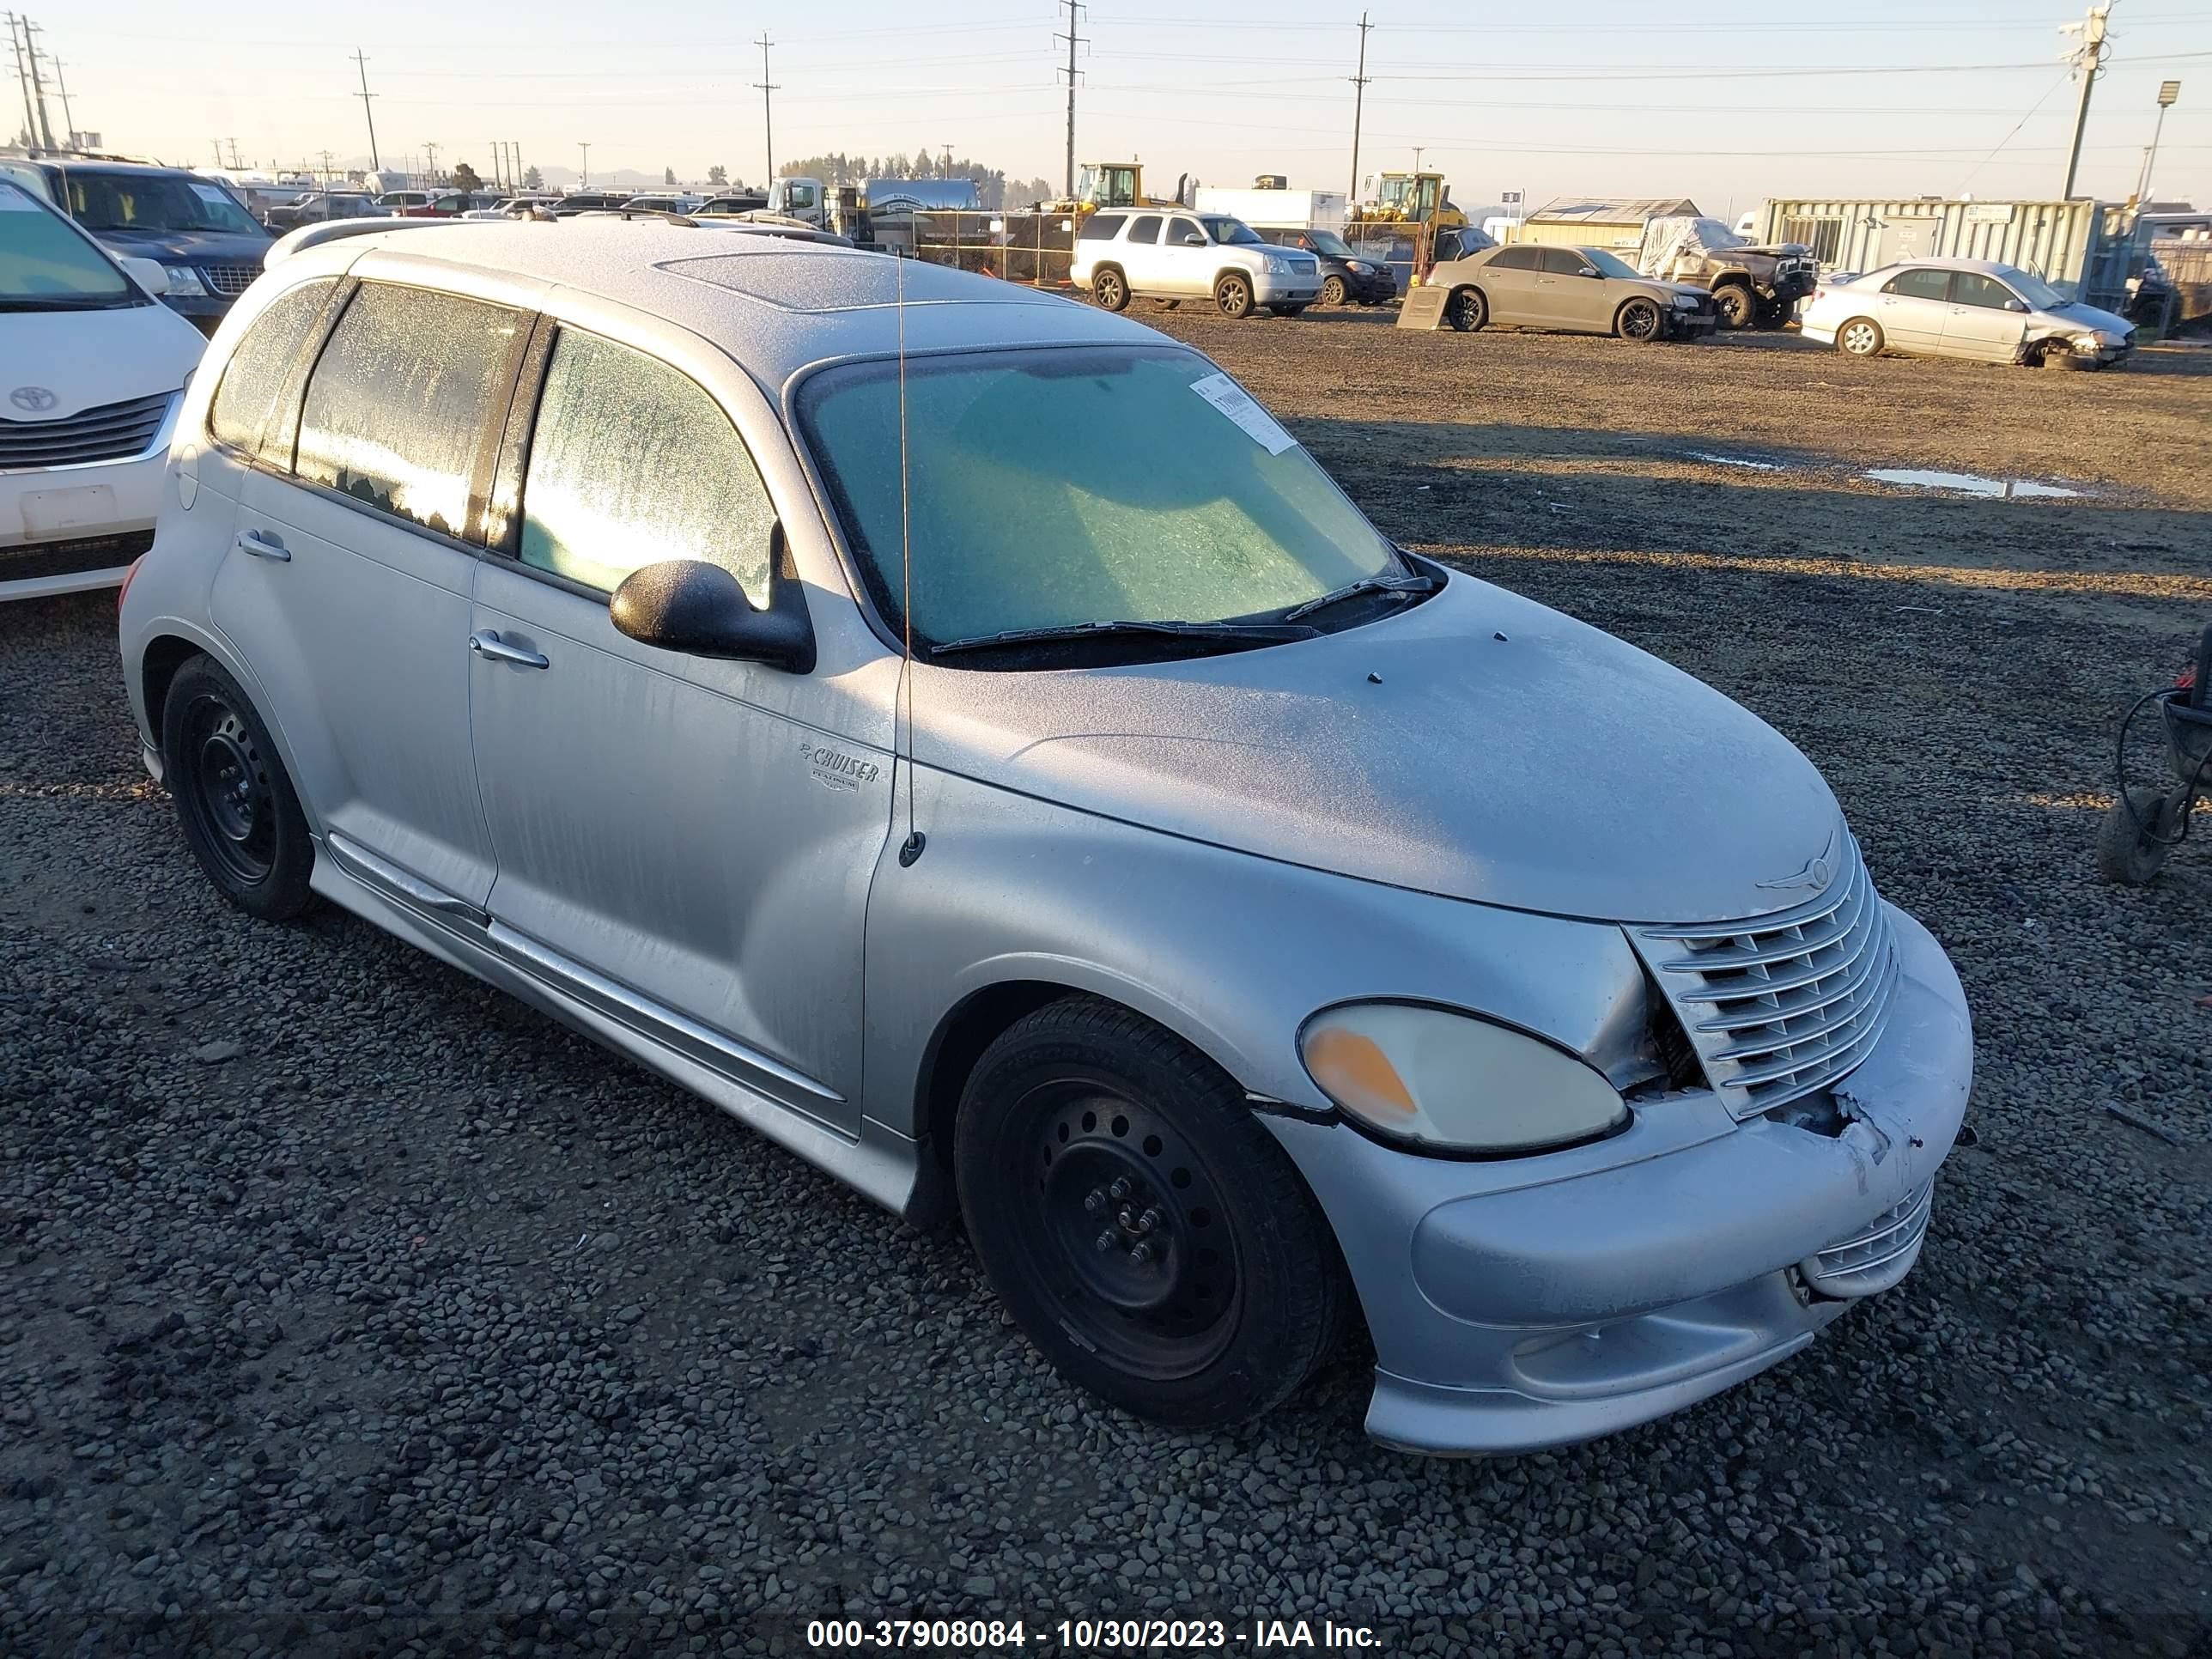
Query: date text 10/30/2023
[{"x": 1090, "y": 1635}]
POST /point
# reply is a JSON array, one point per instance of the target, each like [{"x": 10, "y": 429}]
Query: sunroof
[{"x": 809, "y": 280}]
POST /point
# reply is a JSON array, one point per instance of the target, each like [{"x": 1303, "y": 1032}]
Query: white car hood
[{"x": 88, "y": 358}]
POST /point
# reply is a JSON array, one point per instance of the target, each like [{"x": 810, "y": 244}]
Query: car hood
[
  {"x": 1477, "y": 745},
  {"x": 2080, "y": 317},
  {"x": 187, "y": 247},
  {"x": 89, "y": 358}
]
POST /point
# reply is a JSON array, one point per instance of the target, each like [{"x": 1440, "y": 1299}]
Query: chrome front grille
[
  {"x": 232, "y": 280},
  {"x": 1878, "y": 1255},
  {"x": 1779, "y": 1006},
  {"x": 112, "y": 432}
]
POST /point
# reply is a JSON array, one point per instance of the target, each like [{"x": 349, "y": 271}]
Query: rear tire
[
  {"x": 1232, "y": 297},
  {"x": 1860, "y": 338},
  {"x": 1333, "y": 291},
  {"x": 1738, "y": 307},
  {"x": 242, "y": 816},
  {"x": 2130, "y": 843},
  {"x": 1466, "y": 310},
  {"x": 1111, "y": 289},
  {"x": 1640, "y": 321},
  {"x": 1144, "y": 1229}
]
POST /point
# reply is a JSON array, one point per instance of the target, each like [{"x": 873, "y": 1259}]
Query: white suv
[
  {"x": 1174, "y": 256},
  {"x": 91, "y": 366}
]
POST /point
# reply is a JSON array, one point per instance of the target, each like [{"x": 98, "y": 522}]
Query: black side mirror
[{"x": 698, "y": 608}]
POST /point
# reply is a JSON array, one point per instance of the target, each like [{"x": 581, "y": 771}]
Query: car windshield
[
  {"x": 1235, "y": 232},
  {"x": 1328, "y": 242},
  {"x": 45, "y": 265},
  {"x": 1056, "y": 488},
  {"x": 1609, "y": 265},
  {"x": 2033, "y": 289},
  {"x": 152, "y": 201}
]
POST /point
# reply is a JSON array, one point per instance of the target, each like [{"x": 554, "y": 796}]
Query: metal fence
[
  {"x": 2080, "y": 246},
  {"x": 2188, "y": 266},
  {"x": 1033, "y": 248}
]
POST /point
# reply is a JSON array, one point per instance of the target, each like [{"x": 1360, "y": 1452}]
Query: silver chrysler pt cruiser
[{"x": 961, "y": 734}]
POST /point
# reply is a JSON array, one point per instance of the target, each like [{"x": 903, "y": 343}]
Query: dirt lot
[{"x": 343, "y": 1301}]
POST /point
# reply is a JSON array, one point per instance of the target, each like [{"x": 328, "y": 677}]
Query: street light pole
[
  {"x": 585, "y": 176},
  {"x": 2168, "y": 93}
]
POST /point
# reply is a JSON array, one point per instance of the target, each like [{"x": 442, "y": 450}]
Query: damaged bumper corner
[{"x": 1526, "y": 1303}]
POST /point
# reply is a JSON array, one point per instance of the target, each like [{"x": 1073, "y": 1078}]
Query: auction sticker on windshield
[
  {"x": 214, "y": 193},
  {"x": 1232, "y": 400}
]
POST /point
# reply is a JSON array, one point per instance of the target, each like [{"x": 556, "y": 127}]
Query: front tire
[
  {"x": 1145, "y": 1230},
  {"x": 1111, "y": 289},
  {"x": 1860, "y": 338},
  {"x": 242, "y": 816},
  {"x": 1232, "y": 297},
  {"x": 1737, "y": 308},
  {"x": 1639, "y": 320},
  {"x": 1466, "y": 310},
  {"x": 1333, "y": 291}
]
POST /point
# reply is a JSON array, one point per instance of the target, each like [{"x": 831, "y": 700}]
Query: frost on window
[
  {"x": 632, "y": 463},
  {"x": 254, "y": 378},
  {"x": 398, "y": 404}
]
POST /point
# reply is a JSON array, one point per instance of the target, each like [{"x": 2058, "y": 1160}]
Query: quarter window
[
  {"x": 258, "y": 372},
  {"x": 397, "y": 410},
  {"x": 1971, "y": 287},
  {"x": 631, "y": 463},
  {"x": 1923, "y": 284}
]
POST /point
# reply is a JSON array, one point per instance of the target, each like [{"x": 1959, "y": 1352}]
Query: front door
[
  {"x": 1913, "y": 307},
  {"x": 1986, "y": 320},
  {"x": 1184, "y": 268},
  {"x": 348, "y": 584},
  {"x": 673, "y": 845}
]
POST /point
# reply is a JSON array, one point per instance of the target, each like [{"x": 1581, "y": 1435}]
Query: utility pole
[
  {"x": 31, "y": 32},
  {"x": 2088, "y": 61},
  {"x": 431, "y": 150},
  {"x": 23, "y": 79},
  {"x": 69, "y": 121},
  {"x": 768, "y": 90},
  {"x": 584, "y": 177},
  {"x": 2168, "y": 93},
  {"x": 326, "y": 169},
  {"x": 375, "y": 164},
  {"x": 1417, "y": 148},
  {"x": 1073, "y": 41},
  {"x": 236, "y": 166},
  {"x": 1359, "y": 80}
]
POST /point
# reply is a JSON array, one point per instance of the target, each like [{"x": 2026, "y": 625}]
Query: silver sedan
[{"x": 1972, "y": 308}]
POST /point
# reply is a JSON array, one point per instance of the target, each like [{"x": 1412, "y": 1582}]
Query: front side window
[
  {"x": 631, "y": 463},
  {"x": 1565, "y": 261},
  {"x": 1230, "y": 233},
  {"x": 153, "y": 202},
  {"x": 1060, "y": 487},
  {"x": 396, "y": 411},
  {"x": 2032, "y": 289},
  {"x": 1327, "y": 242},
  {"x": 1971, "y": 287},
  {"x": 1608, "y": 265},
  {"x": 255, "y": 377},
  {"x": 1920, "y": 284},
  {"x": 46, "y": 265}
]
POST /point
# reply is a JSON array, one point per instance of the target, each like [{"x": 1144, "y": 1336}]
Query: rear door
[
  {"x": 1913, "y": 307},
  {"x": 1986, "y": 320},
  {"x": 1509, "y": 282},
  {"x": 349, "y": 587},
  {"x": 1140, "y": 249}
]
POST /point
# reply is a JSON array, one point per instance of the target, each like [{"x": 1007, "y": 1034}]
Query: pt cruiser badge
[{"x": 835, "y": 769}]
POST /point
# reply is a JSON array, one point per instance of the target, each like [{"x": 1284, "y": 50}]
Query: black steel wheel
[
  {"x": 1232, "y": 295},
  {"x": 1144, "y": 1229},
  {"x": 1111, "y": 289},
  {"x": 1639, "y": 320},
  {"x": 1466, "y": 310},
  {"x": 1332, "y": 290},
  {"x": 240, "y": 817},
  {"x": 2135, "y": 837},
  {"x": 1737, "y": 305}
]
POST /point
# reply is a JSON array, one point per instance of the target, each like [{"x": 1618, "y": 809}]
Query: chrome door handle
[
  {"x": 264, "y": 547},
  {"x": 487, "y": 643}
]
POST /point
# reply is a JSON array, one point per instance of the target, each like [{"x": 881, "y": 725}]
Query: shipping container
[
  {"x": 2079, "y": 247},
  {"x": 1276, "y": 210}
]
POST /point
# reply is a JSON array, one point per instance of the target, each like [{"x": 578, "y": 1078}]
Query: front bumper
[
  {"x": 1682, "y": 325},
  {"x": 1524, "y": 1303},
  {"x": 1372, "y": 289},
  {"x": 63, "y": 529},
  {"x": 1272, "y": 290}
]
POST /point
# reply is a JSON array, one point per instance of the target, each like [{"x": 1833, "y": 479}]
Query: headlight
[
  {"x": 2089, "y": 342},
  {"x": 1442, "y": 1080},
  {"x": 185, "y": 283},
  {"x": 1273, "y": 266},
  {"x": 1688, "y": 302}
]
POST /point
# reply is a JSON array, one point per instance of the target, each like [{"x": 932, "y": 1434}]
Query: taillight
[{"x": 129, "y": 577}]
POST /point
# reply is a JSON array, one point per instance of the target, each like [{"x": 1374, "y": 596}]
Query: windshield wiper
[
  {"x": 65, "y": 302},
  {"x": 1274, "y": 633},
  {"x": 1416, "y": 581}
]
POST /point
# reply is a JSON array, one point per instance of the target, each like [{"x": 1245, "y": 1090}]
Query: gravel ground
[{"x": 346, "y": 1305}]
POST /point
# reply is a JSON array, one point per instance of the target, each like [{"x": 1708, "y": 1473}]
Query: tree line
[{"x": 993, "y": 188}]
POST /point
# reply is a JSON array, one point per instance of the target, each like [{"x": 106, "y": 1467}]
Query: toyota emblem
[{"x": 35, "y": 398}]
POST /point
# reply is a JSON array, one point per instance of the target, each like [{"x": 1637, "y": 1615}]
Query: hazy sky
[{"x": 1740, "y": 100}]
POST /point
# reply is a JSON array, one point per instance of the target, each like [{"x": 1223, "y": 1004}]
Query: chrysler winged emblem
[
  {"x": 1815, "y": 875},
  {"x": 35, "y": 398}
]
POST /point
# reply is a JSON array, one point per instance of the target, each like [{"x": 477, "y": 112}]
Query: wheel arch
[{"x": 166, "y": 646}]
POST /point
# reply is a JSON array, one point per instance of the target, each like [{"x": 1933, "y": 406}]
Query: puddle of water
[
  {"x": 1737, "y": 460},
  {"x": 1970, "y": 483}
]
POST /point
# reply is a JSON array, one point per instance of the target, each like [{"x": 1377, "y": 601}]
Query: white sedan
[
  {"x": 1973, "y": 308},
  {"x": 92, "y": 368}
]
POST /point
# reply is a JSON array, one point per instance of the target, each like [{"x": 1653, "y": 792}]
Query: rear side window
[
  {"x": 1920, "y": 284},
  {"x": 1145, "y": 228},
  {"x": 1101, "y": 227},
  {"x": 397, "y": 410},
  {"x": 631, "y": 463},
  {"x": 259, "y": 371},
  {"x": 1516, "y": 258}
]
